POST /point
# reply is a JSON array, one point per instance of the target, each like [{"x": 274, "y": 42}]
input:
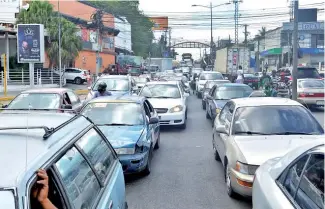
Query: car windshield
[
  {"x": 140, "y": 79},
  {"x": 232, "y": 92},
  {"x": 161, "y": 91},
  {"x": 113, "y": 84},
  {"x": 211, "y": 76},
  {"x": 7, "y": 199},
  {"x": 114, "y": 113},
  {"x": 308, "y": 73},
  {"x": 275, "y": 120},
  {"x": 36, "y": 101},
  {"x": 311, "y": 84}
]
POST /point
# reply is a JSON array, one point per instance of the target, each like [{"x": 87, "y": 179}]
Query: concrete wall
[
  {"x": 12, "y": 46},
  {"x": 273, "y": 39}
]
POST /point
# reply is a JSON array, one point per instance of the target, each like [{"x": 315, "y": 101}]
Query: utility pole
[
  {"x": 97, "y": 20},
  {"x": 60, "y": 64},
  {"x": 257, "y": 55},
  {"x": 245, "y": 42},
  {"x": 170, "y": 42},
  {"x": 295, "y": 51},
  {"x": 211, "y": 35},
  {"x": 236, "y": 2}
]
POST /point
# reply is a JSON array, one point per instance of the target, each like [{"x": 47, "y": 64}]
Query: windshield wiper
[
  {"x": 222, "y": 99},
  {"x": 114, "y": 124},
  {"x": 292, "y": 133},
  {"x": 251, "y": 132}
]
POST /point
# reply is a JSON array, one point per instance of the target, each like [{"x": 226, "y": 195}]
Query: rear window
[
  {"x": 311, "y": 84},
  {"x": 211, "y": 76},
  {"x": 308, "y": 73}
]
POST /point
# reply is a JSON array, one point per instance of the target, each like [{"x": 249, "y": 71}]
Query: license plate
[
  {"x": 249, "y": 84},
  {"x": 320, "y": 102}
]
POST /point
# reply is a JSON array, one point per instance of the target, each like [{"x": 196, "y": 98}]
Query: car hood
[
  {"x": 122, "y": 136},
  {"x": 165, "y": 103},
  {"x": 220, "y": 103},
  {"x": 258, "y": 149}
]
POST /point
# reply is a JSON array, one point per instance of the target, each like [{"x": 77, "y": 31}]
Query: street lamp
[{"x": 211, "y": 7}]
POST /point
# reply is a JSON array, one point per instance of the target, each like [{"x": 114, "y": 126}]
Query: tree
[
  {"x": 141, "y": 33},
  {"x": 262, "y": 32},
  {"x": 41, "y": 12}
]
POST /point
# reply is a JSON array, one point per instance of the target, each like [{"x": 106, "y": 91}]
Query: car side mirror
[
  {"x": 4, "y": 106},
  {"x": 68, "y": 107},
  {"x": 186, "y": 94},
  {"x": 221, "y": 130},
  {"x": 153, "y": 120},
  {"x": 89, "y": 88},
  {"x": 226, "y": 78},
  {"x": 196, "y": 79},
  {"x": 187, "y": 90}
]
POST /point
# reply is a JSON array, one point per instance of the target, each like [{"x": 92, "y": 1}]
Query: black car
[{"x": 251, "y": 80}]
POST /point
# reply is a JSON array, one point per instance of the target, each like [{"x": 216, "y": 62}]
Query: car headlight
[
  {"x": 218, "y": 111},
  {"x": 125, "y": 151},
  {"x": 245, "y": 168},
  {"x": 177, "y": 108}
]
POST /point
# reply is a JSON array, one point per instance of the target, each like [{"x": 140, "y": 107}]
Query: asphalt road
[{"x": 184, "y": 173}]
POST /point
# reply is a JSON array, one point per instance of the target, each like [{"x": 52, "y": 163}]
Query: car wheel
[
  {"x": 230, "y": 191},
  {"x": 147, "y": 169},
  {"x": 157, "y": 145},
  {"x": 78, "y": 81},
  {"x": 203, "y": 105},
  {"x": 207, "y": 116}
]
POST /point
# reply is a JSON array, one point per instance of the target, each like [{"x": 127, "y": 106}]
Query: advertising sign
[
  {"x": 160, "y": 23},
  {"x": 30, "y": 43},
  {"x": 304, "y": 26}
]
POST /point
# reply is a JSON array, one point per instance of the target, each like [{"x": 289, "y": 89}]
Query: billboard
[
  {"x": 160, "y": 23},
  {"x": 30, "y": 43}
]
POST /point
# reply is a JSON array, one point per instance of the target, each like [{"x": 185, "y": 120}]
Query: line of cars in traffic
[
  {"x": 85, "y": 146},
  {"x": 271, "y": 148}
]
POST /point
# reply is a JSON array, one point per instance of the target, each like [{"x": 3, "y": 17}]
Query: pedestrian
[
  {"x": 240, "y": 78},
  {"x": 101, "y": 91},
  {"x": 89, "y": 78}
]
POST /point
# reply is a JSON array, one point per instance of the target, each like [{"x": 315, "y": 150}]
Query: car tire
[
  {"x": 157, "y": 145},
  {"x": 231, "y": 193},
  {"x": 203, "y": 105},
  {"x": 78, "y": 81},
  {"x": 147, "y": 169}
]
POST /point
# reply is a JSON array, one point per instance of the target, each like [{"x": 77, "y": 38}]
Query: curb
[{"x": 79, "y": 92}]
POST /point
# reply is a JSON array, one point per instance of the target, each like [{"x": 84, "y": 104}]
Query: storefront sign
[
  {"x": 274, "y": 51},
  {"x": 311, "y": 50},
  {"x": 304, "y": 26},
  {"x": 30, "y": 43}
]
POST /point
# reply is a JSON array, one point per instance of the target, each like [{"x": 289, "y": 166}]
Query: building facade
[{"x": 123, "y": 42}]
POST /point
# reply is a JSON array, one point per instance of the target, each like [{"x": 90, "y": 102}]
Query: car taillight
[{"x": 311, "y": 94}]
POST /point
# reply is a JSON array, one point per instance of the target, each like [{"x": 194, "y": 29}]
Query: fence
[{"x": 22, "y": 77}]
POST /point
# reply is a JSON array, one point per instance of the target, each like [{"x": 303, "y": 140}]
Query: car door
[
  {"x": 156, "y": 127},
  {"x": 222, "y": 120},
  {"x": 75, "y": 100},
  {"x": 68, "y": 73},
  {"x": 209, "y": 101},
  {"x": 150, "y": 127},
  {"x": 91, "y": 174},
  {"x": 182, "y": 92}
]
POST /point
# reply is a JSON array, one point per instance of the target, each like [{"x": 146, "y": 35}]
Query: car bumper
[
  {"x": 311, "y": 101},
  {"x": 134, "y": 163},
  {"x": 171, "y": 119},
  {"x": 237, "y": 177}
]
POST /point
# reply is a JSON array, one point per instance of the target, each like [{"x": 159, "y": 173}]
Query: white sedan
[
  {"x": 169, "y": 99},
  {"x": 249, "y": 131},
  {"x": 311, "y": 91},
  {"x": 293, "y": 181}
]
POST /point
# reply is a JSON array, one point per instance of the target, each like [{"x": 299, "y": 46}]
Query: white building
[
  {"x": 123, "y": 42},
  {"x": 8, "y": 10}
]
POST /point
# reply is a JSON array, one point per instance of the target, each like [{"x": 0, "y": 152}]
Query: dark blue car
[
  {"x": 219, "y": 95},
  {"x": 132, "y": 127}
]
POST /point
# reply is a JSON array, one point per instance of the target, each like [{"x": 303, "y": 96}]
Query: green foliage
[
  {"x": 41, "y": 12},
  {"x": 141, "y": 33}
]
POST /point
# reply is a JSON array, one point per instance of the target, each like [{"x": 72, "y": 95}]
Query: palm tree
[
  {"x": 262, "y": 32},
  {"x": 41, "y": 12}
]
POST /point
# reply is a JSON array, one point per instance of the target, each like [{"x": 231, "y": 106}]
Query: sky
[{"x": 193, "y": 23}]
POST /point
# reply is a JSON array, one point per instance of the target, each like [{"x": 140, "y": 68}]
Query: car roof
[
  {"x": 162, "y": 82},
  {"x": 114, "y": 76},
  {"x": 309, "y": 79},
  {"x": 119, "y": 98},
  {"x": 233, "y": 85},
  {"x": 47, "y": 90},
  {"x": 210, "y": 72},
  {"x": 264, "y": 101},
  {"x": 26, "y": 147}
]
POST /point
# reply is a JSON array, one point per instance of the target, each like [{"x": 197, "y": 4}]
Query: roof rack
[{"x": 48, "y": 131}]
